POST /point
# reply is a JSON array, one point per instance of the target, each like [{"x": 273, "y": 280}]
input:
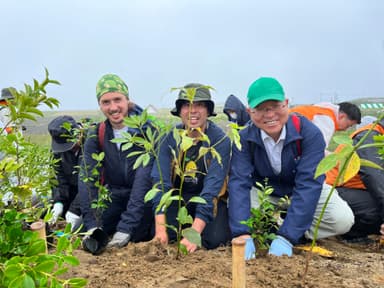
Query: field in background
[{"x": 38, "y": 131}]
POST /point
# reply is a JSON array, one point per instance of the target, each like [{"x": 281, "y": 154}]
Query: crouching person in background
[
  {"x": 66, "y": 148},
  {"x": 364, "y": 192},
  {"x": 124, "y": 215}
]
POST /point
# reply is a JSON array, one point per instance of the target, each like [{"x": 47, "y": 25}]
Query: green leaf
[
  {"x": 182, "y": 213},
  {"x": 216, "y": 155},
  {"x": 183, "y": 249},
  {"x": 326, "y": 164},
  {"x": 62, "y": 244},
  {"x": 77, "y": 282},
  {"x": 367, "y": 163},
  {"x": 342, "y": 139},
  {"x": 126, "y": 146},
  {"x": 72, "y": 260},
  {"x": 151, "y": 193},
  {"x": 139, "y": 161},
  {"x": 192, "y": 235},
  {"x": 164, "y": 200},
  {"x": 14, "y": 270},
  {"x": 197, "y": 199},
  {"x": 186, "y": 143},
  {"x": 46, "y": 266}
]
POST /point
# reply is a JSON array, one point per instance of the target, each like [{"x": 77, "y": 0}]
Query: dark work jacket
[
  {"x": 213, "y": 179},
  {"x": 296, "y": 179},
  {"x": 234, "y": 103},
  {"x": 67, "y": 176},
  {"x": 118, "y": 175},
  {"x": 372, "y": 178}
]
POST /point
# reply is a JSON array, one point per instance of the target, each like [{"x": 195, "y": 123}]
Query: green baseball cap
[
  {"x": 111, "y": 83},
  {"x": 264, "y": 89}
]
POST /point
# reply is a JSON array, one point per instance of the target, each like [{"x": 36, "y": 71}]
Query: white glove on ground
[
  {"x": 57, "y": 210},
  {"x": 119, "y": 240},
  {"x": 74, "y": 219}
]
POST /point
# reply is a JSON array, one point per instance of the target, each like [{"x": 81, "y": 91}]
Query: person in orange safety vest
[
  {"x": 329, "y": 117},
  {"x": 364, "y": 193}
]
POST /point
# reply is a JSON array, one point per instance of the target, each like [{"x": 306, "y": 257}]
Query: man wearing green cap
[
  {"x": 126, "y": 215},
  {"x": 284, "y": 149},
  {"x": 210, "y": 173}
]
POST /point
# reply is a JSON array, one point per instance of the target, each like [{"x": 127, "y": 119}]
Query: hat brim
[
  {"x": 271, "y": 97},
  {"x": 61, "y": 147},
  {"x": 211, "y": 106}
]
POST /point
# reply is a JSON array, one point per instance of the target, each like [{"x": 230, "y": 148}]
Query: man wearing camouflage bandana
[
  {"x": 111, "y": 83},
  {"x": 127, "y": 217}
]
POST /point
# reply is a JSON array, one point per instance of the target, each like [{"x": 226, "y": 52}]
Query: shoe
[{"x": 363, "y": 240}]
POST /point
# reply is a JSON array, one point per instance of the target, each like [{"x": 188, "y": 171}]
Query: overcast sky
[{"x": 319, "y": 50}]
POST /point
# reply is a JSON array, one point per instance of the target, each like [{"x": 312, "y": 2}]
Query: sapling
[
  {"x": 264, "y": 219},
  {"x": 150, "y": 140},
  {"x": 349, "y": 165},
  {"x": 27, "y": 171}
]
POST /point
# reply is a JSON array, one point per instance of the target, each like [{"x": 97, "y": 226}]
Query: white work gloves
[
  {"x": 57, "y": 210},
  {"x": 74, "y": 219},
  {"x": 119, "y": 240}
]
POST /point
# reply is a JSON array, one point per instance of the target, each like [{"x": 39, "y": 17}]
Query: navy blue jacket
[
  {"x": 234, "y": 103},
  {"x": 216, "y": 172},
  {"x": 67, "y": 177},
  {"x": 372, "y": 178},
  {"x": 118, "y": 174},
  {"x": 295, "y": 180}
]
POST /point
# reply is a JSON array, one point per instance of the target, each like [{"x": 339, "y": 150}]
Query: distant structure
[
  {"x": 152, "y": 109},
  {"x": 372, "y": 103}
]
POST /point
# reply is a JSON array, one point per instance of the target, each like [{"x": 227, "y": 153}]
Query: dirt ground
[{"x": 150, "y": 265}]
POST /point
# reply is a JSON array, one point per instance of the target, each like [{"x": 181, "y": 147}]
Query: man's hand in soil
[
  {"x": 188, "y": 245},
  {"x": 161, "y": 230},
  {"x": 280, "y": 246}
]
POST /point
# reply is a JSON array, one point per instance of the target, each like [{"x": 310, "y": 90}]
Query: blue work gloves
[
  {"x": 119, "y": 240},
  {"x": 250, "y": 249},
  {"x": 280, "y": 246}
]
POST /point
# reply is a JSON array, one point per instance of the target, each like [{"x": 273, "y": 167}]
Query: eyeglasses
[{"x": 265, "y": 110}]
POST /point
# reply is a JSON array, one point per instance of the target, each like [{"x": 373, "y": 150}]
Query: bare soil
[{"x": 151, "y": 265}]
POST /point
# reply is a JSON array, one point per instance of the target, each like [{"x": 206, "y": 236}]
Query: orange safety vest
[
  {"x": 310, "y": 111},
  {"x": 355, "y": 182}
]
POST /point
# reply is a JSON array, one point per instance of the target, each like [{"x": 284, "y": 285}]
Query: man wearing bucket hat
[
  {"x": 126, "y": 217},
  {"x": 66, "y": 149},
  {"x": 210, "y": 176},
  {"x": 269, "y": 151}
]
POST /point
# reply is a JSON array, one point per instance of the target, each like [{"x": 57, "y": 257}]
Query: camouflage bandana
[{"x": 111, "y": 83}]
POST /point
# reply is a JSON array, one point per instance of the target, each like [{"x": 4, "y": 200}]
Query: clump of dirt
[{"x": 152, "y": 265}]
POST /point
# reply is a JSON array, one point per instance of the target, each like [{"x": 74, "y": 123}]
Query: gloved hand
[
  {"x": 250, "y": 249},
  {"x": 95, "y": 241},
  {"x": 56, "y": 212},
  {"x": 7, "y": 198},
  {"x": 280, "y": 246},
  {"x": 74, "y": 219},
  {"x": 119, "y": 240}
]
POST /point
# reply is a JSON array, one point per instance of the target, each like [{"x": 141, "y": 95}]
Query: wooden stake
[
  {"x": 39, "y": 227},
  {"x": 238, "y": 263}
]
